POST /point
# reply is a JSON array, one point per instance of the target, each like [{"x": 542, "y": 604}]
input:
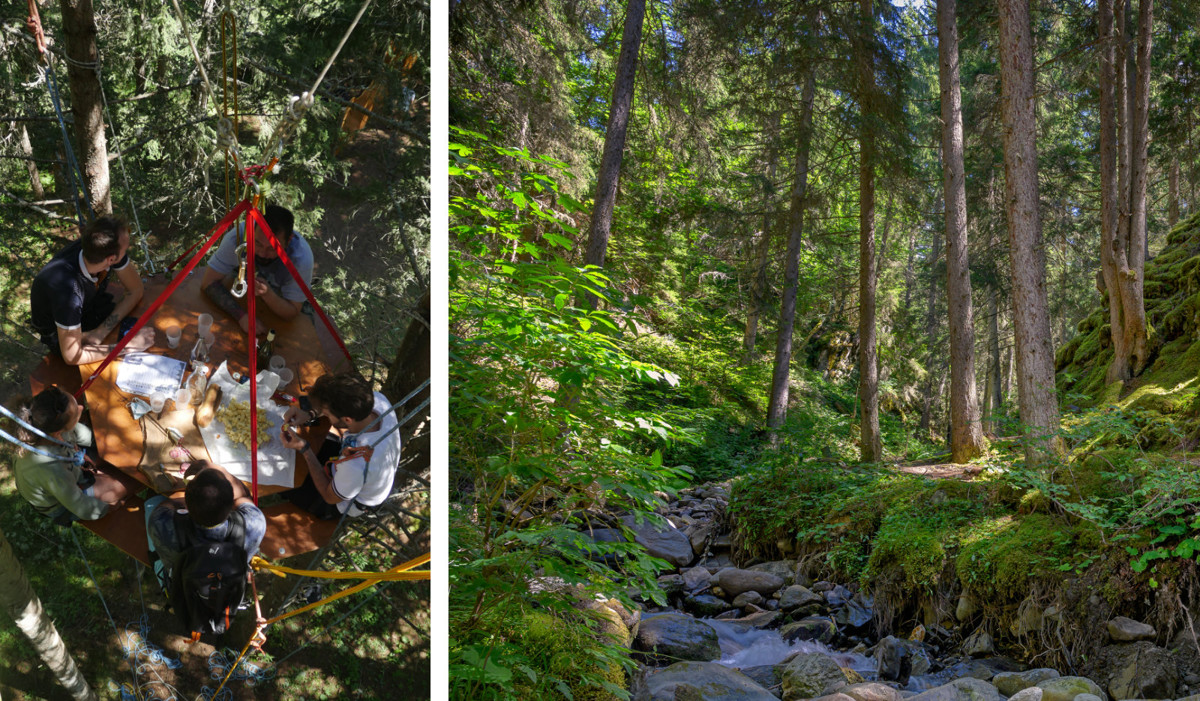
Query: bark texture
[
  {"x": 614, "y": 136},
  {"x": 871, "y": 443},
  {"x": 777, "y": 407},
  {"x": 24, "y": 607},
  {"x": 1031, "y": 322},
  {"x": 79, "y": 25},
  {"x": 35, "y": 178},
  {"x": 966, "y": 434}
]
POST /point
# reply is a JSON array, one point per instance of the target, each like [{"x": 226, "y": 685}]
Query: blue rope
[
  {"x": 77, "y": 457},
  {"x": 74, "y": 172},
  {"x": 33, "y": 429}
]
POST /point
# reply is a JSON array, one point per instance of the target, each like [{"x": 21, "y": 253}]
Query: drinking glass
[
  {"x": 173, "y": 335},
  {"x": 204, "y": 323}
]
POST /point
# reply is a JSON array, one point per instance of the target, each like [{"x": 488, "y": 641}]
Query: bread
[{"x": 208, "y": 408}]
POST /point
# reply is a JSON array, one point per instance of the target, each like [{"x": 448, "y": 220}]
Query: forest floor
[{"x": 380, "y": 651}]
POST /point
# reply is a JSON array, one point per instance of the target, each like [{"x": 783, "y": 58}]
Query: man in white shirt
[{"x": 352, "y": 474}]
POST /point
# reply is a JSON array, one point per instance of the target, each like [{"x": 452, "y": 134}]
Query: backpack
[{"x": 208, "y": 585}]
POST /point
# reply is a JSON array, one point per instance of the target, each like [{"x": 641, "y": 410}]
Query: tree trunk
[
  {"x": 35, "y": 178},
  {"x": 777, "y": 407},
  {"x": 994, "y": 399},
  {"x": 79, "y": 25},
  {"x": 1131, "y": 279},
  {"x": 965, "y": 432},
  {"x": 931, "y": 335},
  {"x": 614, "y": 135},
  {"x": 1031, "y": 322},
  {"x": 408, "y": 370},
  {"x": 23, "y": 606},
  {"x": 868, "y": 370},
  {"x": 1173, "y": 194}
]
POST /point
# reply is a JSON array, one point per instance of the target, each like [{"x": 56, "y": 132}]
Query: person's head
[
  {"x": 342, "y": 398},
  {"x": 52, "y": 411},
  {"x": 281, "y": 222},
  {"x": 209, "y": 497},
  {"x": 105, "y": 241}
]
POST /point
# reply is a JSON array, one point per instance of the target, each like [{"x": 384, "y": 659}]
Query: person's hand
[
  {"x": 142, "y": 340},
  {"x": 296, "y": 416},
  {"x": 259, "y": 328},
  {"x": 195, "y": 468},
  {"x": 260, "y": 287},
  {"x": 290, "y": 440}
]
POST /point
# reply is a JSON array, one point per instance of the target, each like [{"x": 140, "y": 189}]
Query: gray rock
[
  {"x": 784, "y": 569},
  {"x": 1010, "y": 683},
  {"x": 960, "y": 690},
  {"x": 979, "y": 644},
  {"x": 966, "y": 608},
  {"x": 671, "y": 584},
  {"x": 1139, "y": 670},
  {"x": 747, "y": 598},
  {"x": 1122, "y": 629},
  {"x": 1067, "y": 688},
  {"x": 713, "y": 682},
  {"x": 837, "y": 596},
  {"x": 759, "y": 619},
  {"x": 971, "y": 668},
  {"x": 677, "y": 636},
  {"x": 1032, "y": 693},
  {"x": 808, "y": 676},
  {"x": 854, "y": 617},
  {"x": 704, "y": 605},
  {"x": 764, "y": 675},
  {"x": 897, "y": 659},
  {"x": 698, "y": 536},
  {"x": 1087, "y": 697},
  {"x": 871, "y": 691},
  {"x": 797, "y": 596},
  {"x": 822, "y": 586},
  {"x": 666, "y": 542},
  {"x": 837, "y": 696},
  {"x": 735, "y": 581},
  {"x": 816, "y": 628},
  {"x": 718, "y": 562},
  {"x": 695, "y": 578}
]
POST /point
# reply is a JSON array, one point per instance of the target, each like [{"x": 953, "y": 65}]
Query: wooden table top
[{"x": 119, "y": 437}]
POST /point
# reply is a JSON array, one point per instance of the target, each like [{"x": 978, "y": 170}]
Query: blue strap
[
  {"x": 74, "y": 172},
  {"x": 33, "y": 429},
  {"x": 77, "y": 458}
]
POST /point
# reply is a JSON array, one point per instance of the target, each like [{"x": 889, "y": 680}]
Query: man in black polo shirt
[{"x": 71, "y": 307}]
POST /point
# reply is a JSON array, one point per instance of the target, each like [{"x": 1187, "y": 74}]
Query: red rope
[
  {"x": 214, "y": 234},
  {"x": 34, "y": 23},
  {"x": 252, "y": 348},
  {"x": 287, "y": 263}
]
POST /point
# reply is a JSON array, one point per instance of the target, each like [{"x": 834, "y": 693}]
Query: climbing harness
[{"x": 75, "y": 454}]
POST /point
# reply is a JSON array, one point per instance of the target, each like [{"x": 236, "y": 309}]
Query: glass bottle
[{"x": 265, "y": 350}]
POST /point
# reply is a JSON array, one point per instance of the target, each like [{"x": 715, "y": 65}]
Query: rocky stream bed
[{"x": 767, "y": 632}]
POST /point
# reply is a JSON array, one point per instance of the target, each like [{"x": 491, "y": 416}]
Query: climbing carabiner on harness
[{"x": 239, "y": 288}]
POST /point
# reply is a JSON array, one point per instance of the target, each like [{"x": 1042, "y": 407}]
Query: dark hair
[
  {"x": 281, "y": 222},
  {"x": 345, "y": 394},
  {"x": 209, "y": 498},
  {"x": 49, "y": 412},
  {"x": 102, "y": 239}
]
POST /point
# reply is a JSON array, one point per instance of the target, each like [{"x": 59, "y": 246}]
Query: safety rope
[
  {"x": 370, "y": 580},
  {"x": 107, "y": 612}
]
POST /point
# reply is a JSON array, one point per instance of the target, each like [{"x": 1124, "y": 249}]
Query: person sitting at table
[
  {"x": 212, "y": 500},
  {"x": 275, "y": 285},
  {"x": 360, "y": 466},
  {"x": 70, "y": 305},
  {"x": 57, "y": 486}
]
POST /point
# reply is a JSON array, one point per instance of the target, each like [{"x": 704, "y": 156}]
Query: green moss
[
  {"x": 560, "y": 650},
  {"x": 999, "y": 556},
  {"x": 918, "y": 535}
]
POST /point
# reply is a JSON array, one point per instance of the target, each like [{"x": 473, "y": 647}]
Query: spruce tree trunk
[
  {"x": 1111, "y": 249},
  {"x": 23, "y": 606},
  {"x": 614, "y": 136},
  {"x": 1173, "y": 194},
  {"x": 79, "y": 25},
  {"x": 965, "y": 432},
  {"x": 35, "y": 177},
  {"x": 1031, "y": 322},
  {"x": 868, "y": 370},
  {"x": 777, "y": 406},
  {"x": 1131, "y": 280},
  {"x": 930, "y": 337}
]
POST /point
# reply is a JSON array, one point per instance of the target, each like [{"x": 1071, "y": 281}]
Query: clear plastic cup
[
  {"x": 183, "y": 395},
  {"x": 173, "y": 335},
  {"x": 204, "y": 324},
  {"x": 277, "y": 361},
  {"x": 285, "y": 376},
  {"x": 157, "y": 401}
]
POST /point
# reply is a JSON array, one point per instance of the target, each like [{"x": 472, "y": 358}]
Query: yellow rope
[{"x": 372, "y": 578}]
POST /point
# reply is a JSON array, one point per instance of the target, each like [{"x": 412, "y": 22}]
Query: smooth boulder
[
  {"x": 674, "y": 636},
  {"x": 735, "y": 581},
  {"x": 960, "y": 690},
  {"x": 1140, "y": 670},
  {"x": 808, "y": 676},
  {"x": 704, "y": 680},
  {"x": 1010, "y": 683},
  {"x": 1067, "y": 688},
  {"x": 666, "y": 542},
  {"x": 1122, "y": 630}
]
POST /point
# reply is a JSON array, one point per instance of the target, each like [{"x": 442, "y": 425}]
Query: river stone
[
  {"x": 1140, "y": 670},
  {"x": 764, "y": 675},
  {"x": 713, "y": 682},
  {"x": 718, "y": 562},
  {"x": 966, "y": 608},
  {"x": 1087, "y": 697},
  {"x": 795, "y": 596},
  {"x": 759, "y": 619},
  {"x": 837, "y": 696},
  {"x": 816, "y": 628},
  {"x": 611, "y": 622},
  {"x": 671, "y": 584},
  {"x": 822, "y": 586},
  {"x": 811, "y": 675},
  {"x": 1031, "y": 693},
  {"x": 897, "y": 659},
  {"x": 979, "y": 644},
  {"x": 695, "y": 578},
  {"x": 1010, "y": 683},
  {"x": 735, "y": 581},
  {"x": 971, "y": 668},
  {"x": 698, "y": 536},
  {"x": 960, "y": 690},
  {"x": 1122, "y": 629},
  {"x": 1067, "y": 688},
  {"x": 747, "y": 598},
  {"x": 838, "y": 595},
  {"x": 665, "y": 542},
  {"x": 784, "y": 569},
  {"x": 854, "y": 617},
  {"x": 677, "y": 636},
  {"x": 705, "y": 605},
  {"x": 871, "y": 691}
]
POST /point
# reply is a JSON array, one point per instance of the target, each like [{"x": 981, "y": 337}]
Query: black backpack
[{"x": 208, "y": 584}]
